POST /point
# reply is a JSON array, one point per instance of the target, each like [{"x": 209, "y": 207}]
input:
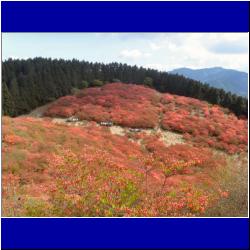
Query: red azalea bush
[
  {"x": 179, "y": 154},
  {"x": 206, "y": 125},
  {"x": 126, "y": 105},
  {"x": 136, "y": 106},
  {"x": 13, "y": 139},
  {"x": 87, "y": 171}
]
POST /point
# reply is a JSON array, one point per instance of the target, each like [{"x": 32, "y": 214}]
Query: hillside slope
[
  {"x": 171, "y": 166},
  {"x": 227, "y": 79},
  {"x": 140, "y": 107},
  {"x": 28, "y": 84}
]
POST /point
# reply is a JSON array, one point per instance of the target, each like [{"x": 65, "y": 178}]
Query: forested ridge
[{"x": 27, "y": 84}]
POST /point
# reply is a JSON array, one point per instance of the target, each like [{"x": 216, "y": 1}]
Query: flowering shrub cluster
[
  {"x": 53, "y": 169},
  {"x": 126, "y": 105},
  {"x": 65, "y": 170},
  {"x": 205, "y": 125},
  {"x": 96, "y": 187},
  {"x": 92, "y": 185},
  {"x": 12, "y": 139},
  {"x": 132, "y": 105},
  {"x": 10, "y": 187}
]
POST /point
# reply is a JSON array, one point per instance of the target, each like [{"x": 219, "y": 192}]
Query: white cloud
[
  {"x": 194, "y": 50},
  {"x": 134, "y": 54},
  {"x": 147, "y": 54},
  {"x": 131, "y": 53},
  {"x": 155, "y": 46},
  {"x": 200, "y": 50},
  {"x": 227, "y": 43}
]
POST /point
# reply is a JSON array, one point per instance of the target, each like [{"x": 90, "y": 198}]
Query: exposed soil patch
[
  {"x": 117, "y": 130},
  {"x": 169, "y": 138}
]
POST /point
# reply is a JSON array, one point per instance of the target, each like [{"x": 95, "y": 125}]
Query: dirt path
[
  {"x": 169, "y": 138},
  {"x": 38, "y": 112}
]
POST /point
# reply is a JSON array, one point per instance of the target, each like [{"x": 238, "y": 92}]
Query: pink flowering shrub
[
  {"x": 136, "y": 106},
  {"x": 126, "y": 105},
  {"x": 65, "y": 170}
]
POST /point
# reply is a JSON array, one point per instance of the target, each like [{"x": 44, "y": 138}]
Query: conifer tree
[
  {"x": 7, "y": 102},
  {"x": 34, "y": 82}
]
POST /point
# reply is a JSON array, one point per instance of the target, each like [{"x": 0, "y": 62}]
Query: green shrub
[
  {"x": 83, "y": 84},
  {"x": 129, "y": 195},
  {"x": 97, "y": 83},
  {"x": 35, "y": 208},
  {"x": 148, "y": 81}
]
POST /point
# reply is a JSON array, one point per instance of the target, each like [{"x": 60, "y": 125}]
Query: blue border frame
[
  {"x": 125, "y": 16},
  {"x": 125, "y": 233},
  {"x": 20, "y": 233}
]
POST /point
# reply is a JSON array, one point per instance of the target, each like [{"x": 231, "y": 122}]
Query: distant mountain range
[{"x": 227, "y": 79}]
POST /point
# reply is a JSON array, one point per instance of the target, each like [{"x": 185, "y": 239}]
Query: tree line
[{"x": 27, "y": 84}]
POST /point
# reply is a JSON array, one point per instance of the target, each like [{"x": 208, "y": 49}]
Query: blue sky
[{"x": 162, "y": 51}]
